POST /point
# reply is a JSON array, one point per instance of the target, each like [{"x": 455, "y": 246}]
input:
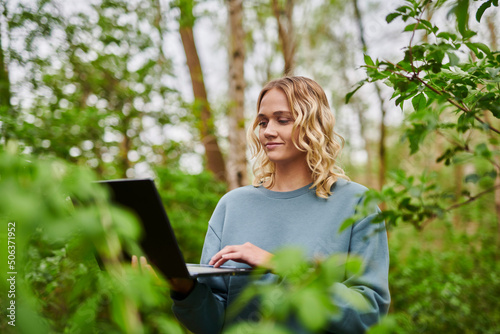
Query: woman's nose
[{"x": 270, "y": 130}]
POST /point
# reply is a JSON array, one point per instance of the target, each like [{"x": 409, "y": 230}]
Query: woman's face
[{"x": 275, "y": 129}]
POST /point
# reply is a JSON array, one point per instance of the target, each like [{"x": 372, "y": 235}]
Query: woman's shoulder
[
  {"x": 240, "y": 193},
  {"x": 346, "y": 188}
]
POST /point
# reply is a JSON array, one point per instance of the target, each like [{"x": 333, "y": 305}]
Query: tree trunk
[
  {"x": 125, "y": 146},
  {"x": 162, "y": 59},
  {"x": 284, "y": 18},
  {"x": 490, "y": 20},
  {"x": 215, "y": 161},
  {"x": 5, "y": 106},
  {"x": 381, "y": 146},
  {"x": 237, "y": 162}
]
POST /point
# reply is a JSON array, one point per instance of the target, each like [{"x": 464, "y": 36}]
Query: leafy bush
[
  {"x": 450, "y": 290},
  {"x": 61, "y": 221},
  {"x": 452, "y": 84}
]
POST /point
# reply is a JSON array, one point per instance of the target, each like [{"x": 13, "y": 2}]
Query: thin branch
[
  {"x": 466, "y": 148},
  {"x": 472, "y": 198},
  {"x": 458, "y": 205},
  {"x": 426, "y": 84},
  {"x": 456, "y": 104},
  {"x": 415, "y": 76},
  {"x": 411, "y": 41}
]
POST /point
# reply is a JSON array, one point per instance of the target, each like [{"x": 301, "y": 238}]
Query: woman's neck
[{"x": 289, "y": 179}]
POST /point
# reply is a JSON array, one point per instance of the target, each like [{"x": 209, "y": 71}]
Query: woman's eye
[
  {"x": 284, "y": 121},
  {"x": 262, "y": 123}
]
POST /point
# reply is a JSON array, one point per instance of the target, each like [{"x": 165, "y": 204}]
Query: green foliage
[
  {"x": 103, "y": 82},
  {"x": 304, "y": 292},
  {"x": 100, "y": 84},
  {"x": 450, "y": 290},
  {"x": 483, "y": 8},
  {"x": 189, "y": 201},
  {"x": 447, "y": 283},
  {"x": 454, "y": 88},
  {"x": 62, "y": 220},
  {"x": 410, "y": 200}
]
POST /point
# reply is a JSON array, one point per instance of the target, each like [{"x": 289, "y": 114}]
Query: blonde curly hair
[{"x": 314, "y": 122}]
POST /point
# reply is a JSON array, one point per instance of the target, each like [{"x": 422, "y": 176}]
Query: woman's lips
[{"x": 272, "y": 145}]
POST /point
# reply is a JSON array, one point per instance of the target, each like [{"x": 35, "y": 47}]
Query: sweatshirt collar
[{"x": 286, "y": 194}]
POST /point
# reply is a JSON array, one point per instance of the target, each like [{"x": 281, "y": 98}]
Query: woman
[{"x": 300, "y": 197}]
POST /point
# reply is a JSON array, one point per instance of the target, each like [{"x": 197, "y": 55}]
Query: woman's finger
[
  {"x": 222, "y": 252},
  {"x": 236, "y": 256},
  {"x": 151, "y": 270},
  {"x": 135, "y": 262},
  {"x": 144, "y": 262}
]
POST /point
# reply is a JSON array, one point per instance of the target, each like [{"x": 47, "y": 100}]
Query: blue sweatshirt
[{"x": 273, "y": 220}]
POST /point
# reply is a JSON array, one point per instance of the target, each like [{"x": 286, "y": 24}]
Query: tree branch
[
  {"x": 466, "y": 148},
  {"x": 415, "y": 76},
  {"x": 458, "y": 205}
]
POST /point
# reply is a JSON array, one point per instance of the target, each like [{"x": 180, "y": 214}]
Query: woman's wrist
[{"x": 181, "y": 288}]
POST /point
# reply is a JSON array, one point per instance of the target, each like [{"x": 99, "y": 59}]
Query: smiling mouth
[{"x": 272, "y": 145}]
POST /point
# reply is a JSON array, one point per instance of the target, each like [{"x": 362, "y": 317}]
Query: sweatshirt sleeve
[
  {"x": 202, "y": 311},
  {"x": 368, "y": 242}
]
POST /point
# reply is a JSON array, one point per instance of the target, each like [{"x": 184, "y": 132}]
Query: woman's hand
[
  {"x": 246, "y": 253},
  {"x": 144, "y": 265}
]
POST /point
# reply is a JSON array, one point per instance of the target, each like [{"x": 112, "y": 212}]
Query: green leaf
[
  {"x": 462, "y": 14},
  {"x": 482, "y": 9},
  {"x": 168, "y": 325},
  {"x": 448, "y": 155},
  {"x": 454, "y": 60},
  {"x": 332, "y": 269},
  {"x": 354, "y": 266},
  {"x": 469, "y": 34},
  {"x": 387, "y": 325},
  {"x": 389, "y": 18},
  {"x": 493, "y": 72},
  {"x": 472, "y": 178},
  {"x": 415, "y": 26},
  {"x": 483, "y": 150},
  {"x": 482, "y": 47},
  {"x": 403, "y": 9},
  {"x": 447, "y": 35},
  {"x": 419, "y": 102},
  {"x": 399, "y": 101},
  {"x": 256, "y": 328},
  {"x": 346, "y": 224},
  {"x": 416, "y": 136},
  {"x": 312, "y": 308},
  {"x": 465, "y": 122},
  {"x": 289, "y": 261},
  {"x": 368, "y": 60},
  {"x": 427, "y": 24},
  {"x": 350, "y": 94},
  {"x": 352, "y": 297},
  {"x": 491, "y": 174}
]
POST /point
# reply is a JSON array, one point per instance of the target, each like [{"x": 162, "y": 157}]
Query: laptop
[{"x": 159, "y": 243}]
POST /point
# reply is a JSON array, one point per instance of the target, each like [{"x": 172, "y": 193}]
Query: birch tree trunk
[
  {"x": 284, "y": 18},
  {"x": 215, "y": 161},
  {"x": 236, "y": 161}
]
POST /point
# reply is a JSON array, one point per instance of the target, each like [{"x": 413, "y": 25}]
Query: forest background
[{"x": 166, "y": 89}]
